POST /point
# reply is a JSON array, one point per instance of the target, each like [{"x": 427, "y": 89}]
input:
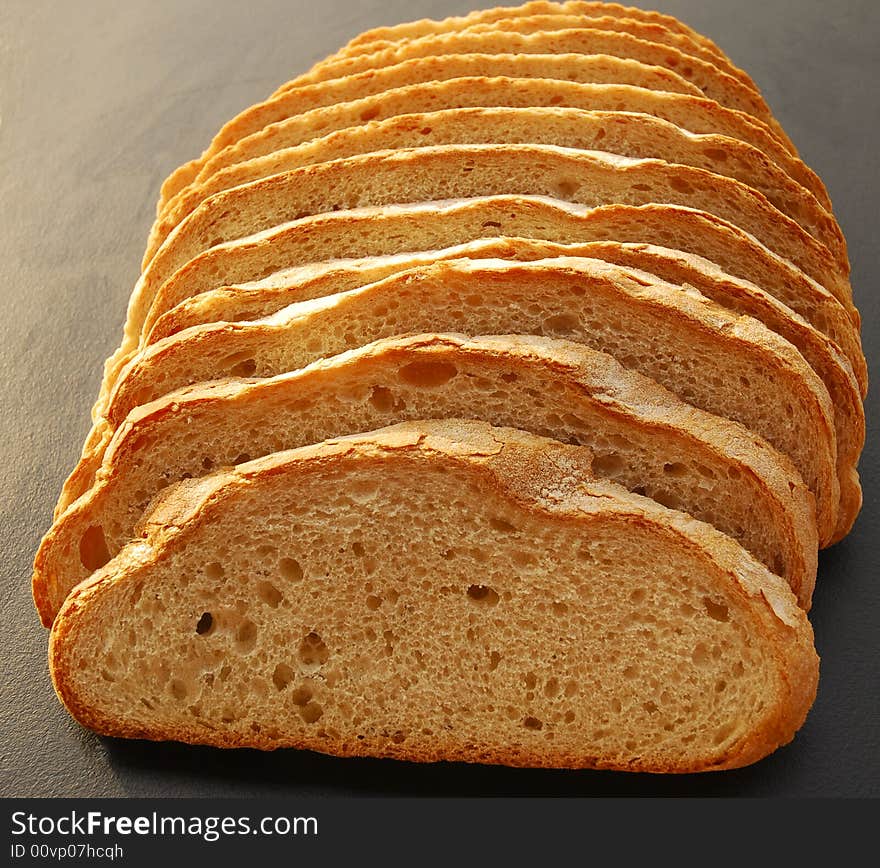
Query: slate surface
[{"x": 99, "y": 102}]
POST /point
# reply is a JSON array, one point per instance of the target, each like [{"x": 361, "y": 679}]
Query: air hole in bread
[
  {"x": 311, "y": 713},
  {"x": 426, "y": 131},
  {"x": 214, "y": 571},
  {"x": 269, "y": 594},
  {"x": 562, "y": 323},
  {"x": 282, "y": 676},
  {"x": 631, "y": 671},
  {"x": 716, "y": 611},
  {"x": 718, "y": 155},
  {"x": 205, "y": 624},
  {"x": 501, "y": 525},
  {"x": 700, "y": 655},
  {"x": 245, "y": 368},
  {"x": 246, "y": 636},
  {"x": 370, "y": 114},
  {"x": 373, "y": 602},
  {"x": 494, "y": 660},
  {"x": 566, "y": 188},
  {"x": 551, "y": 688},
  {"x": 290, "y": 570},
  {"x": 681, "y": 186},
  {"x": 638, "y": 596},
  {"x": 382, "y": 399},
  {"x": 491, "y": 224},
  {"x": 483, "y": 595},
  {"x": 93, "y": 551},
  {"x": 358, "y": 549},
  {"x": 687, "y": 71},
  {"x": 207, "y": 463},
  {"x": 532, "y": 723},
  {"x": 609, "y": 465},
  {"x": 312, "y": 653},
  {"x": 675, "y": 469},
  {"x": 178, "y": 689},
  {"x": 600, "y": 134},
  {"x": 302, "y": 695},
  {"x": 644, "y": 188}
]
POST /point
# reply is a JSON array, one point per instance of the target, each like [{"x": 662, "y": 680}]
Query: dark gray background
[{"x": 99, "y": 101}]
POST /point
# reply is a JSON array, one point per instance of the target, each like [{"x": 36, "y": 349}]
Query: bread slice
[
  {"x": 585, "y": 68},
  {"x": 459, "y": 171},
  {"x": 435, "y": 225},
  {"x": 629, "y": 134},
  {"x": 712, "y": 81},
  {"x": 425, "y": 26},
  {"x": 550, "y": 22},
  {"x": 465, "y": 81},
  {"x": 727, "y": 365},
  {"x": 263, "y": 298},
  {"x": 641, "y": 437},
  {"x": 437, "y": 591}
]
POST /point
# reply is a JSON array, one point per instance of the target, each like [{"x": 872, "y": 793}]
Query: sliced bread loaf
[
  {"x": 641, "y": 437},
  {"x": 727, "y": 365},
  {"x": 519, "y": 614},
  {"x": 263, "y": 298},
  {"x": 629, "y": 134}
]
